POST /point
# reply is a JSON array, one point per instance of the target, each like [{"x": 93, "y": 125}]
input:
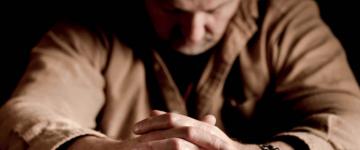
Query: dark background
[{"x": 22, "y": 26}]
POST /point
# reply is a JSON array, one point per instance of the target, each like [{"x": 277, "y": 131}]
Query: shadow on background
[{"x": 21, "y": 31}]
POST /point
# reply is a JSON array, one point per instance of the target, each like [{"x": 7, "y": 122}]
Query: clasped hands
[{"x": 168, "y": 131}]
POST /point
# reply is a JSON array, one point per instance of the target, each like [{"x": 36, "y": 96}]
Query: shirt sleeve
[
  {"x": 61, "y": 92},
  {"x": 313, "y": 79}
]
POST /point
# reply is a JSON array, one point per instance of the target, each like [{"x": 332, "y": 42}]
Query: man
[{"x": 216, "y": 74}]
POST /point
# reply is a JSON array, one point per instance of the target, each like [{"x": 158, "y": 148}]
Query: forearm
[{"x": 38, "y": 127}]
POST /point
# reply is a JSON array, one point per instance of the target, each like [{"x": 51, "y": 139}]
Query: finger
[
  {"x": 153, "y": 113},
  {"x": 210, "y": 119},
  {"x": 169, "y": 144},
  {"x": 165, "y": 121},
  {"x": 198, "y": 136},
  {"x": 157, "y": 113}
]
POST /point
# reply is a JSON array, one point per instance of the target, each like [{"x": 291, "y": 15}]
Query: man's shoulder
[
  {"x": 254, "y": 8},
  {"x": 70, "y": 30},
  {"x": 89, "y": 32},
  {"x": 94, "y": 41},
  {"x": 284, "y": 6}
]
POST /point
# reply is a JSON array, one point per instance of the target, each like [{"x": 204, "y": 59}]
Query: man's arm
[
  {"x": 313, "y": 79},
  {"x": 60, "y": 94},
  {"x": 172, "y": 131}
]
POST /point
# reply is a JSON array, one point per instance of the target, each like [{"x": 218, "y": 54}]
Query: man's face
[{"x": 190, "y": 26}]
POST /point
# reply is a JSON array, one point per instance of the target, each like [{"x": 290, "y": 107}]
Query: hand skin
[{"x": 171, "y": 131}]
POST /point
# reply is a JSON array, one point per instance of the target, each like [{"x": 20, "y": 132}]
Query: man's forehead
[{"x": 191, "y": 4}]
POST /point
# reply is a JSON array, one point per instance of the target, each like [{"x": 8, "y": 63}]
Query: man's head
[{"x": 190, "y": 26}]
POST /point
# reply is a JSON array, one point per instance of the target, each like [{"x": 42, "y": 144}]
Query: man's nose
[{"x": 194, "y": 27}]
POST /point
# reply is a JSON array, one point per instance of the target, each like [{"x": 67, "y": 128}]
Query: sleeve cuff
[
  {"x": 54, "y": 134},
  {"x": 303, "y": 141}
]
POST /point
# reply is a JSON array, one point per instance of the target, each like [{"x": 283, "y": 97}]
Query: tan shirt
[{"x": 288, "y": 77}]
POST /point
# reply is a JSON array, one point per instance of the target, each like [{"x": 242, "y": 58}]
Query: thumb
[
  {"x": 210, "y": 119},
  {"x": 157, "y": 112}
]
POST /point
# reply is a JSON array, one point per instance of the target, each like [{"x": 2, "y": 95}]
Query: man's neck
[{"x": 185, "y": 69}]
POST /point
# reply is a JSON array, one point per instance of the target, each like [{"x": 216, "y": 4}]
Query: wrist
[
  {"x": 275, "y": 145},
  {"x": 243, "y": 146},
  {"x": 268, "y": 147}
]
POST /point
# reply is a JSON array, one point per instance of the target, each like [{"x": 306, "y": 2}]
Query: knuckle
[
  {"x": 190, "y": 132},
  {"x": 176, "y": 143},
  {"x": 217, "y": 144},
  {"x": 171, "y": 119},
  {"x": 146, "y": 146}
]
